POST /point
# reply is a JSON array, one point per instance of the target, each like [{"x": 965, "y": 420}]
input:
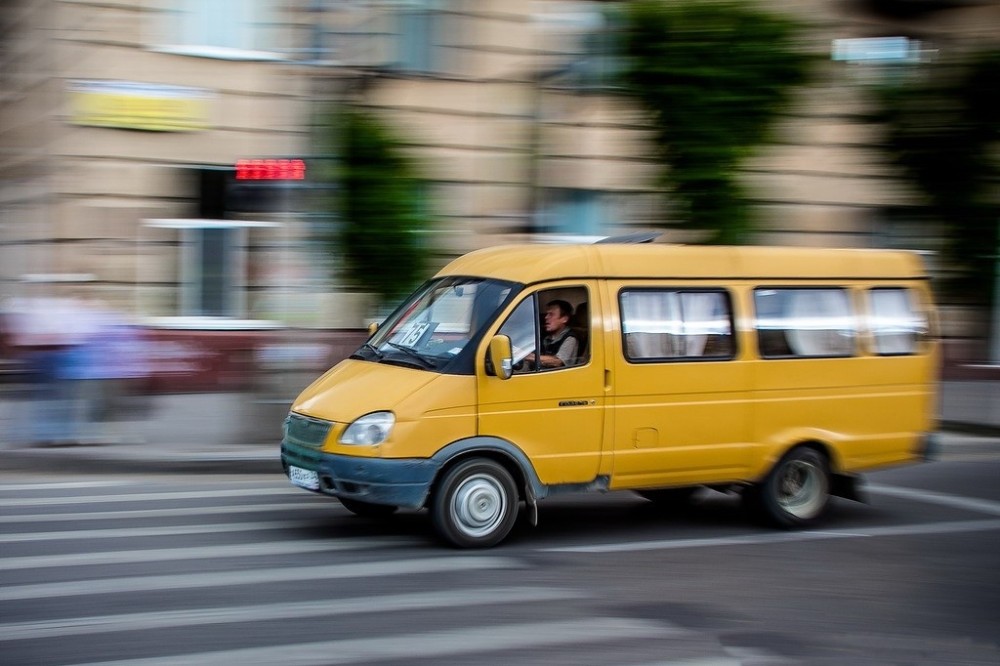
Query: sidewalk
[
  {"x": 221, "y": 433},
  {"x": 232, "y": 433},
  {"x": 970, "y": 406}
]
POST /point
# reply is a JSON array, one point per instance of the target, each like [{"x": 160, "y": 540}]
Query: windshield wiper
[
  {"x": 427, "y": 363},
  {"x": 370, "y": 347}
]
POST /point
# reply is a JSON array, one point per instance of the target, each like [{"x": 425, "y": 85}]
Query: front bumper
[{"x": 402, "y": 482}]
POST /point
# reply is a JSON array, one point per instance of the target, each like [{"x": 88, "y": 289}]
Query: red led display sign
[{"x": 270, "y": 169}]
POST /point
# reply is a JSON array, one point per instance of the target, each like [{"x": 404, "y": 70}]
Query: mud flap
[
  {"x": 531, "y": 504},
  {"x": 849, "y": 487}
]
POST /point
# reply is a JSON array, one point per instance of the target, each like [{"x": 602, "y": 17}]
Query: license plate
[{"x": 305, "y": 478}]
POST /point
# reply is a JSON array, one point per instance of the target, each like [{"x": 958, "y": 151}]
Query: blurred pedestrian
[
  {"x": 42, "y": 334},
  {"x": 104, "y": 369}
]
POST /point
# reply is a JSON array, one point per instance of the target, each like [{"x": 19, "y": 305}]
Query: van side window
[
  {"x": 670, "y": 324},
  {"x": 805, "y": 322},
  {"x": 896, "y": 324}
]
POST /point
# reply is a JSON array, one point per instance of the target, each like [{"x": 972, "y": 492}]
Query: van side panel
[
  {"x": 678, "y": 421},
  {"x": 868, "y": 410}
]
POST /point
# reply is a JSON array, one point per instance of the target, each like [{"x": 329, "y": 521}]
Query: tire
[
  {"x": 475, "y": 504},
  {"x": 796, "y": 491},
  {"x": 367, "y": 509}
]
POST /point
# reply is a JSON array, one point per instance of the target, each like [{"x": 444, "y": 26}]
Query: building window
[
  {"x": 234, "y": 29},
  {"x": 574, "y": 212},
  {"x": 660, "y": 325},
  {"x": 895, "y": 322},
  {"x": 419, "y": 24},
  {"x": 879, "y": 60},
  {"x": 584, "y": 38},
  {"x": 807, "y": 322},
  {"x": 213, "y": 272}
]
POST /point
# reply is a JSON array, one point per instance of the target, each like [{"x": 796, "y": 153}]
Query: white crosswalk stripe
[
  {"x": 59, "y": 485},
  {"x": 150, "y": 497},
  {"x": 319, "y": 505},
  {"x": 439, "y": 644},
  {"x": 346, "y": 606},
  {"x": 67, "y": 601},
  {"x": 135, "y": 532},
  {"x": 196, "y": 553},
  {"x": 253, "y": 577}
]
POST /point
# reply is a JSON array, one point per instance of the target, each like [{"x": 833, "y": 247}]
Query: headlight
[{"x": 370, "y": 429}]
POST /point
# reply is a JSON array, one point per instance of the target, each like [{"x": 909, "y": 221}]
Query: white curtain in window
[
  {"x": 652, "y": 323},
  {"x": 702, "y": 313},
  {"x": 894, "y": 323},
  {"x": 819, "y": 322},
  {"x": 672, "y": 324}
]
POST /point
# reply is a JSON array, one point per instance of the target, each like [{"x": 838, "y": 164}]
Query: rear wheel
[
  {"x": 367, "y": 509},
  {"x": 475, "y": 504},
  {"x": 796, "y": 491}
]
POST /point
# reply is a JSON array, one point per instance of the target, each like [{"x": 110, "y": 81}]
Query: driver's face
[{"x": 555, "y": 320}]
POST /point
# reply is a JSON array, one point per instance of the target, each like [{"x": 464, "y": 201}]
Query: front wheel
[
  {"x": 475, "y": 504},
  {"x": 796, "y": 491}
]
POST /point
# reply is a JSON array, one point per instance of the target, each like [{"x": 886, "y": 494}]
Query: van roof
[{"x": 533, "y": 263}]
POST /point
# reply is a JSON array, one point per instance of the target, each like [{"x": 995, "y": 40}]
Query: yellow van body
[{"x": 743, "y": 368}]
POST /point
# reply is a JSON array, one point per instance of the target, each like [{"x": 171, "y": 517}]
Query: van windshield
[{"x": 436, "y": 324}]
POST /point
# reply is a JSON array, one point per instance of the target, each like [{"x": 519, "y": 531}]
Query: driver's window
[
  {"x": 520, "y": 328},
  {"x": 557, "y": 321}
]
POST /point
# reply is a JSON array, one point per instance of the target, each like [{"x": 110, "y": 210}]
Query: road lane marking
[
  {"x": 150, "y": 497},
  {"x": 136, "y": 532},
  {"x": 61, "y": 485},
  {"x": 956, "y": 501},
  {"x": 425, "y": 645},
  {"x": 320, "y": 504},
  {"x": 190, "y": 581},
  {"x": 772, "y": 538},
  {"x": 229, "y": 551},
  {"x": 101, "y": 624}
]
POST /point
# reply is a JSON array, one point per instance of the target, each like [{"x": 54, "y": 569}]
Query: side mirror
[
  {"x": 372, "y": 328},
  {"x": 502, "y": 356}
]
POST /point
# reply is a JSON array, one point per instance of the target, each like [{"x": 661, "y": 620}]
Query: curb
[
  {"x": 964, "y": 428},
  {"x": 94, "y": 460}
]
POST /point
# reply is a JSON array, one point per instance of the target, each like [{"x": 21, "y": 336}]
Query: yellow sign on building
[{"x": 140, "y": 106}]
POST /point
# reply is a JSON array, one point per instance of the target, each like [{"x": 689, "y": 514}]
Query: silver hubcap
[
  {"x": 478, "y": 505},
  {"x": 801, "y": 489}
]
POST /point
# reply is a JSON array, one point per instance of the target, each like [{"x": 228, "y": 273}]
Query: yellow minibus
[{"x": 520, "y": 372}]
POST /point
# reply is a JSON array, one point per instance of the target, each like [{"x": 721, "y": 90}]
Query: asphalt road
[{"x": 216, "y": 570}]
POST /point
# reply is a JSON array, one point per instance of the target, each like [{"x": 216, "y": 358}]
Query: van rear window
[
  {"x": 804, "y": 323},
  {"x": 672, "y": 324}
]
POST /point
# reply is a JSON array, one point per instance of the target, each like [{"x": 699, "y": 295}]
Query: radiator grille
[{"x": 304, "y": 431}]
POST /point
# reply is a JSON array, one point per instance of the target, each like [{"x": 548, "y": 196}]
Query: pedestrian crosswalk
[{"x": 252, "y": 572}]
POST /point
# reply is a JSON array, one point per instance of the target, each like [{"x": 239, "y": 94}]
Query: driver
[{"x": 559, "y": 346}]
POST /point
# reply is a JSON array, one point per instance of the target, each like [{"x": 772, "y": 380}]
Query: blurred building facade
[{"x": 122, "y": 123}]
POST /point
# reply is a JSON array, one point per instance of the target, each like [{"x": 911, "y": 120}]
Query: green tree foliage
[
  {"x": 379, "y": 207},
  {"x": 714, "y": 74},
  {"x": 943, "y": 131}
]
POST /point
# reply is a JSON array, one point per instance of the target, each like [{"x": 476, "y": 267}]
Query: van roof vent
[{"x": 631, "y": 239}]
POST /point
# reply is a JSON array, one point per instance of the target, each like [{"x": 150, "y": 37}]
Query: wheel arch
[
  {"x": 501, "y": 451},
  {"x": 821, "y": 441}
]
